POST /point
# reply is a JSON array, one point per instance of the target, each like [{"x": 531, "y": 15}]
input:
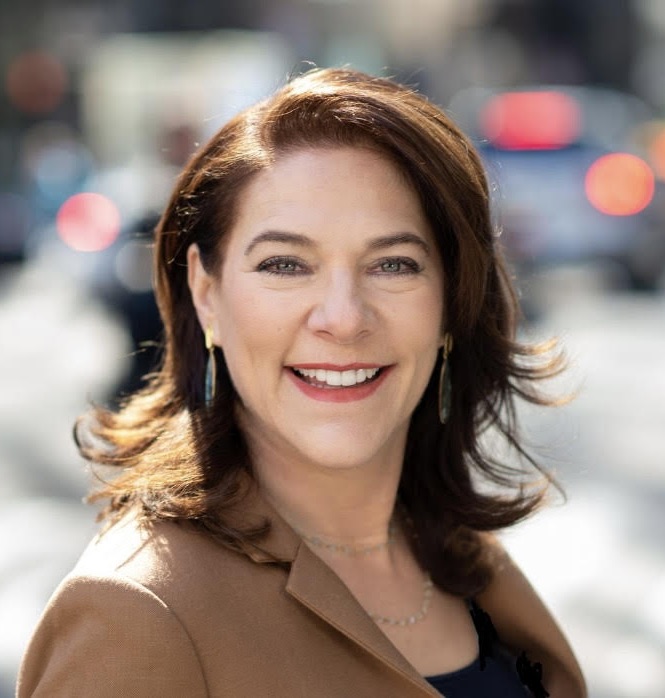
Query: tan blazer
[{"x": 170, "y": 613}]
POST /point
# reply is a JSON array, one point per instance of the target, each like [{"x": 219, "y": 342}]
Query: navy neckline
[
  {"x": 529, "y": 673},
  {"x": 473, "y": 666}
]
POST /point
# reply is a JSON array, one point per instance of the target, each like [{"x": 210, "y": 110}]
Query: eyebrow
[
  {"x": 398, "y": 239},
  {"x": 277, "y": 236},
  {"x": 303, "y": 241}
]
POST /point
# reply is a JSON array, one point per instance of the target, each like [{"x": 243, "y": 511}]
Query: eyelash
[
  {"x": 273, "y": 262},
  {"x": 412, "y": 267},
  {"x": 270, "y": 266}
]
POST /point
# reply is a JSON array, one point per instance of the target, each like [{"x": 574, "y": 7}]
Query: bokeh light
[
  {"x": 133, "y": 266},
  {"x": 36, "y": 82},
  {"x": 541, "y": 120},
  {"x": 88, "y": 222},
  {"x": 56, "y": 162},
  {"x": 620, "y": 184}
]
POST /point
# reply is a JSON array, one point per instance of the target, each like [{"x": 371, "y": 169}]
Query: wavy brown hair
[{"x": 176, "y": 459}]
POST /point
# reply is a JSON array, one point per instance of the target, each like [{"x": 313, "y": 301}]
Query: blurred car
[
  {"x": 569, "y": 182},
  {"x": 126, "y": 288},
  {"x": 112, "y": 264},
  {"x": 120, "y": 276}
]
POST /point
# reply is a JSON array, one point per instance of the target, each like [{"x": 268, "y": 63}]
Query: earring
[
  {"x": 211, "y": 369},
  {"x": 445, "y": 385}
]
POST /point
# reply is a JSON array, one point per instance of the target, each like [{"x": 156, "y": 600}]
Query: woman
[{"x": 300, "y": 507}]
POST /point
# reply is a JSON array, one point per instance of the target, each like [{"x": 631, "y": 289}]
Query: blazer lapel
[
  {"x": 312, "y": 583},
  {"x": 315, "y": 585}
]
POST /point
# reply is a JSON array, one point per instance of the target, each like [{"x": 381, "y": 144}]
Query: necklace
[
  {"x": 347, "y": 549},
  {"x": 416, "y": 617}
]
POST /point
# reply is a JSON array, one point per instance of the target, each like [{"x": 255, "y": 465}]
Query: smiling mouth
[{"x": 324, "y": 378}]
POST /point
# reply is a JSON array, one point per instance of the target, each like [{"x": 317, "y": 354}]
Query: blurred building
[
  {"x": 94, "y": 92},
  {"x": 443, "y": 45}
]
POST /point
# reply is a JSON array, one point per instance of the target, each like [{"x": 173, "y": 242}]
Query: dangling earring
[
  {"x": 445, "y": 385},
  {"x": 211, "y": 369}
]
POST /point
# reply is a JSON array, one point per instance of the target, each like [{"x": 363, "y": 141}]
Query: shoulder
[
  {"x": 524, "y": 623},
  {"x": 159, "y": 556},
  {"x": 130, "y": 619},
  {"x": 113, "y": 636},
  {"x": 130, "y": 541}
]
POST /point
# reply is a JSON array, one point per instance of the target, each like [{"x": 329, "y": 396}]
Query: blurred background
[{"x": 102, "y": 103}]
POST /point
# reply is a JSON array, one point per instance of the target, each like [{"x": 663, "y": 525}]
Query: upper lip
[{"x": 337, "y": 367}]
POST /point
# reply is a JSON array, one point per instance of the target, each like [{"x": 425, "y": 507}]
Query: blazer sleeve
[{"x": 108, "y": 637}]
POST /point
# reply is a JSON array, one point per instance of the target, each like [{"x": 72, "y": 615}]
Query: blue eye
[
  {"x": 398, "y": 266},
  {"x": 282, "y": 266}
]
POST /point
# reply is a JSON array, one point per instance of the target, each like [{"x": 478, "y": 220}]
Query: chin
[{"x": 343, "y": 452}]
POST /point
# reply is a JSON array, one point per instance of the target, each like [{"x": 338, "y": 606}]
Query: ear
[{"x": 201, "y": 286}]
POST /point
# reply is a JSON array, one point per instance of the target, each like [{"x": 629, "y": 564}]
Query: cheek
[
  {"x": 251, "y": 325},
  {"x": 427, "y": 328},
  {"x": 421, "y": 318}
]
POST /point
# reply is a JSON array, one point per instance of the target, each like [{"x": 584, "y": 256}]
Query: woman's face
[{"x": 328, "y": 307}]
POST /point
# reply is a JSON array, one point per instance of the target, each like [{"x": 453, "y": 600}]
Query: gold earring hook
[{"x": 209, "y": 337}]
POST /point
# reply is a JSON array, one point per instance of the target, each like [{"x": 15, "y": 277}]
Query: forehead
[{"x": 318, "y": 189}]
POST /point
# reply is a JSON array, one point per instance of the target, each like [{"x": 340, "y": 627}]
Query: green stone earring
[
  {"x": 211, "y": 369},
  {"x": 445, "y": 385}
]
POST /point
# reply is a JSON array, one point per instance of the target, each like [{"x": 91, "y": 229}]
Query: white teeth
[
  {"x": 334, "y": 378},
  {"x": 349, "y": 378},
  {"x": 337, "y": 378}
]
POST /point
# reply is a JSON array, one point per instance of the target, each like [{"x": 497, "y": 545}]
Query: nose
[{"x": 341, "y": 312}]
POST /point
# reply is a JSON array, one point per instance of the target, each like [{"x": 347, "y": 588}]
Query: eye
[
  {"x": 282, "y": 266},
  {"x": 397, "y": 266}
]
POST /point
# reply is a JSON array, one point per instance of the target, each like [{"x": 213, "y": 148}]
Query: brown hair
[{"x": 182, "y": 461}]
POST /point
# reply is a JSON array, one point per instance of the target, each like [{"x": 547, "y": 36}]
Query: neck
[{"x": 345, "y": 506}]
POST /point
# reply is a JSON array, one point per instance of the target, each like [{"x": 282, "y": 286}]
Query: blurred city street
[
  {"x": 57, "y": 351},
  {"x": 599, "y": 559},
  {"x": 101, "y": 105}
]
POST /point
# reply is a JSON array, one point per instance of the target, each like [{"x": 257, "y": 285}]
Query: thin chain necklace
[
  {"x": 428, "y": 587},
  {"x": 345, "y": 548}
]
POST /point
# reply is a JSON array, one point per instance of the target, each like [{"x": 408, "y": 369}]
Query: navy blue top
[
  {"x": 494, "y": 674},
  {"x": 495, "y": 680}
]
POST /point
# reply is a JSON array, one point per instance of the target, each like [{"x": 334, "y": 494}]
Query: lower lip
[{"x": 351, "y": 393}]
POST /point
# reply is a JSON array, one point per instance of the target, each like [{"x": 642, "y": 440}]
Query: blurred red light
[
  {"x": 36, "y": 82},
  {"x": 88, "y": 222},
  {"x": 620, "y": 184},
  {"x": 531, "y": 120}
]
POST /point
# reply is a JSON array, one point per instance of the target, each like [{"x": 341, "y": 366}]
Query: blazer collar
[
  {"x": 282, "y": 542},
  {"x": 316, "y": 586},
  {"x": 313, "y": 584}
]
